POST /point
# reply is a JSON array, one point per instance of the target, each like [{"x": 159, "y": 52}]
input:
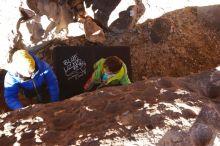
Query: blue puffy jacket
[{"x": 12, "y": 84}]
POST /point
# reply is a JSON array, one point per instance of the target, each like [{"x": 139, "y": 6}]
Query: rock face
[
  {"x": 160, "y": 30},
  {"x": 93, "y": 32},
  {"x": 117, "y": 16},
  {"x": 157, "y": 111},
  {"x": 211, "y": 15}
]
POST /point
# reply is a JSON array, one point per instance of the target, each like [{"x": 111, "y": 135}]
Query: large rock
[
  {"x": 158, "y": 111},
  {"x": 117, "y": 16},
  {"x": 93, "y": 32}
]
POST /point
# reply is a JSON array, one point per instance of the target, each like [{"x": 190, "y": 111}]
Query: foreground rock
[
  {"x": 178, "y": 43},
  {"x": 93, "y": 32},
  {"x": 158, "y": 111}
]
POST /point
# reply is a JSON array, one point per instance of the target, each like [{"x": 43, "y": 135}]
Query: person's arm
[
  {"x": 52, "y": 83},
  {"x": 11, "y": 89},
  {"x": 88, "y": 85},
  {"x": 95, "y": 79},
  {"x": 96, "y": 65},
  {"x": 96, "y": 75},
  {"x": 125, "y": 80}
]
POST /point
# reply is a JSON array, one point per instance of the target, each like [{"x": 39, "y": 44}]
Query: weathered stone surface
[
  {"x": 93, "y": 32},
  {"x": 211, "y": 15},
  {"x": 160, "y": 30},
  {"x": 117, "y": 16},
  {"x": 123, "y": 116},
  {"x": 202, "y": 135}
]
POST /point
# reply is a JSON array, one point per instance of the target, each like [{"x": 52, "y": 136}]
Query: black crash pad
[{"x": 74, "y": 65}]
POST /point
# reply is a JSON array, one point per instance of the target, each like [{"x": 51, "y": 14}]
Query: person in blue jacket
[{"x": 32, "y": 76}]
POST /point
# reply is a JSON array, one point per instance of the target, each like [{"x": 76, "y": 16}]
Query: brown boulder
[
  {"x": 122, "y": 115},
  {"x": 93, "y": 32}
]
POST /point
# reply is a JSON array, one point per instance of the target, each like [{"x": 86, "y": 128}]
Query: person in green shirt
[{"x": 111, "y": 71}]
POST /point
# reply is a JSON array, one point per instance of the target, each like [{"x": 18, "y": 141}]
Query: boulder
[
  {"x": 93, "y": 32},
  {"x": 156, "y": 111}
]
